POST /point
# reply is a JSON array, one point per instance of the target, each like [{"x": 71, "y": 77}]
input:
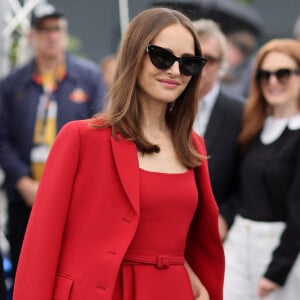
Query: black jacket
[{"x": 221, "y": 141}]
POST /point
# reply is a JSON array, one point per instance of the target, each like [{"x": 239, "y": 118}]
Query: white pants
[{"x": 248, "y": 251}]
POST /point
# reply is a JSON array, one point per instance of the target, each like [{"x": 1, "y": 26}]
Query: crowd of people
[
  {"x": 37, "y": 99},
  {"x": 145, "y": 177},
  {"x": 262, "y": 245}
]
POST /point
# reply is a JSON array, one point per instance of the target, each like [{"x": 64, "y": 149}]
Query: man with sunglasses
[
  {"x": 219, "y": 114},
  {"x": 36, "y": 101}
]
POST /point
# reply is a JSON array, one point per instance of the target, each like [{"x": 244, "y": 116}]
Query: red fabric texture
[
  {"x": 153, "y": 267},
  {"x": 87, "y": 212}
]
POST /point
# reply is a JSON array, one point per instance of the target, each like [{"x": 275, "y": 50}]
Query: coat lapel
[
  {"x": 126, "y": 159},
  {"x": 202, "y": 175}
]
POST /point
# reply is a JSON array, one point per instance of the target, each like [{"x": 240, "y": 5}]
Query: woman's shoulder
[{"x": 86, "y": 128}]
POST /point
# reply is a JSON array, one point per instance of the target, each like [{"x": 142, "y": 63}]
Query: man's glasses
[
  {"x": 211, "y": 60},
  {"x": 282, "y": 75},
  {"x": 48, "y": 29},
  {"x": 164, "y": 59}
]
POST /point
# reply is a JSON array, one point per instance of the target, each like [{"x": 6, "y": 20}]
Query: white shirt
[{"x": 205, "y": 107}]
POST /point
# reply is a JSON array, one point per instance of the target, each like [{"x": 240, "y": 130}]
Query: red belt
[{"x": 161, "y": 261}]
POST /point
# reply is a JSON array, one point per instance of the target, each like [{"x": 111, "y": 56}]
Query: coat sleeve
[
  {"x": 287, "y": 252},
  {"x": 204, "y": 249},
  {"x": 41, "y": 247}
]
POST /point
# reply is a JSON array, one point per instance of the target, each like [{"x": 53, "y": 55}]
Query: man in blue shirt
[{"x": 36, "y": 100}]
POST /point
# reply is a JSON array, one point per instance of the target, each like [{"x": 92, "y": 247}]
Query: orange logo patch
[{"x": 79, "y": 96}]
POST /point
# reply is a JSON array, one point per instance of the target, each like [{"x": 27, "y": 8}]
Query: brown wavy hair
[
  {"x": 256, "y": 109},
  {"x": 122, "y": 109}
]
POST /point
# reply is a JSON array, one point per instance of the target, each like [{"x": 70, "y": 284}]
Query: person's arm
[
  {"x": 27, "y": 187},
  {"x": 223, "y": 227},
  {"x": 41, "y": 248},
  {"x": 204, "y": 251},
  {"x": 285, "y": 255},
  {"x": 266, "y": 287},
  {"x": 199, "y": 290},
  {"x": 13, "y": 166},
  {"x": 3, "y": 292}
]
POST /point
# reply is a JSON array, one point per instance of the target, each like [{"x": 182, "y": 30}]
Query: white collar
[{"x": 274, "y": 127}]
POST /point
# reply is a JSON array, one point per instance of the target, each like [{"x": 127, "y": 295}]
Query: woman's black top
[{"x": 269, "y": 189}]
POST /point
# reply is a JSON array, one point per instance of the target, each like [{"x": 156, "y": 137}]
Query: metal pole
[{"x": 124, "y": 15}]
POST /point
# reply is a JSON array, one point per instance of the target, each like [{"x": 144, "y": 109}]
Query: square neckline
[{"x": 164, "y": 173}]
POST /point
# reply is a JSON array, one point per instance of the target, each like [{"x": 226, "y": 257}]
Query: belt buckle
[{"x": 163, "y": 261}]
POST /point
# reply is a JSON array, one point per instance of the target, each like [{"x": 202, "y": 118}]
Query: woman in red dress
[{"x": 125, "y": 209}]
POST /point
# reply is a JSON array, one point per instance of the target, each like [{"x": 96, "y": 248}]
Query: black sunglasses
[
  {"x": 282, "y": 75},
  {"x": 164, "y": 59}
]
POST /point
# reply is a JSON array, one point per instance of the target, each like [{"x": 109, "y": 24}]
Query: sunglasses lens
[
  {"x": 161, "y": 58},
  {"x": 263, "y": 75},
  {"x": 283, "y": 75},
  {"x": 191, "y": 66}
]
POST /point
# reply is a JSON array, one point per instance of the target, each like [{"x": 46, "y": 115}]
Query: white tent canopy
[
  {"x": 124, "y": 15},
  {"x": 15, "y": 18}
]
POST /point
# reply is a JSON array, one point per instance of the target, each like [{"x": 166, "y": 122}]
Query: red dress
[{"x": 153, "y": 268}]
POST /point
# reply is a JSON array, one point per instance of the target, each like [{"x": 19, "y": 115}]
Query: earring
[{"x": 171, "y": 106}]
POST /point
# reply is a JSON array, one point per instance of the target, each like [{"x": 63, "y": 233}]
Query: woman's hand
[
  {"x": 203, "y": 294},
  {"x": 266, "y": 287},
  {"x": 27, "y": 187},
  {"x": 200, "y": 292},
  {"x": 223, "y": 228}
]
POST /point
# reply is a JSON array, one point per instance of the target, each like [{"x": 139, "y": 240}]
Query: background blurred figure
[
  {"x": 108, "y": 69},
  {"x": 5, "y": 266},
  {"x": 36, "y": 101},
  {"x": 219, "y": 114},
  {"x": 3, "y": 292},
  {"x": 262, "y": 247},
  {"x": 241, "y": 47}
]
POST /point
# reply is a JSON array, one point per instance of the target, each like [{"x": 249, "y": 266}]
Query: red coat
[{"x": 86, "y": 213}]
